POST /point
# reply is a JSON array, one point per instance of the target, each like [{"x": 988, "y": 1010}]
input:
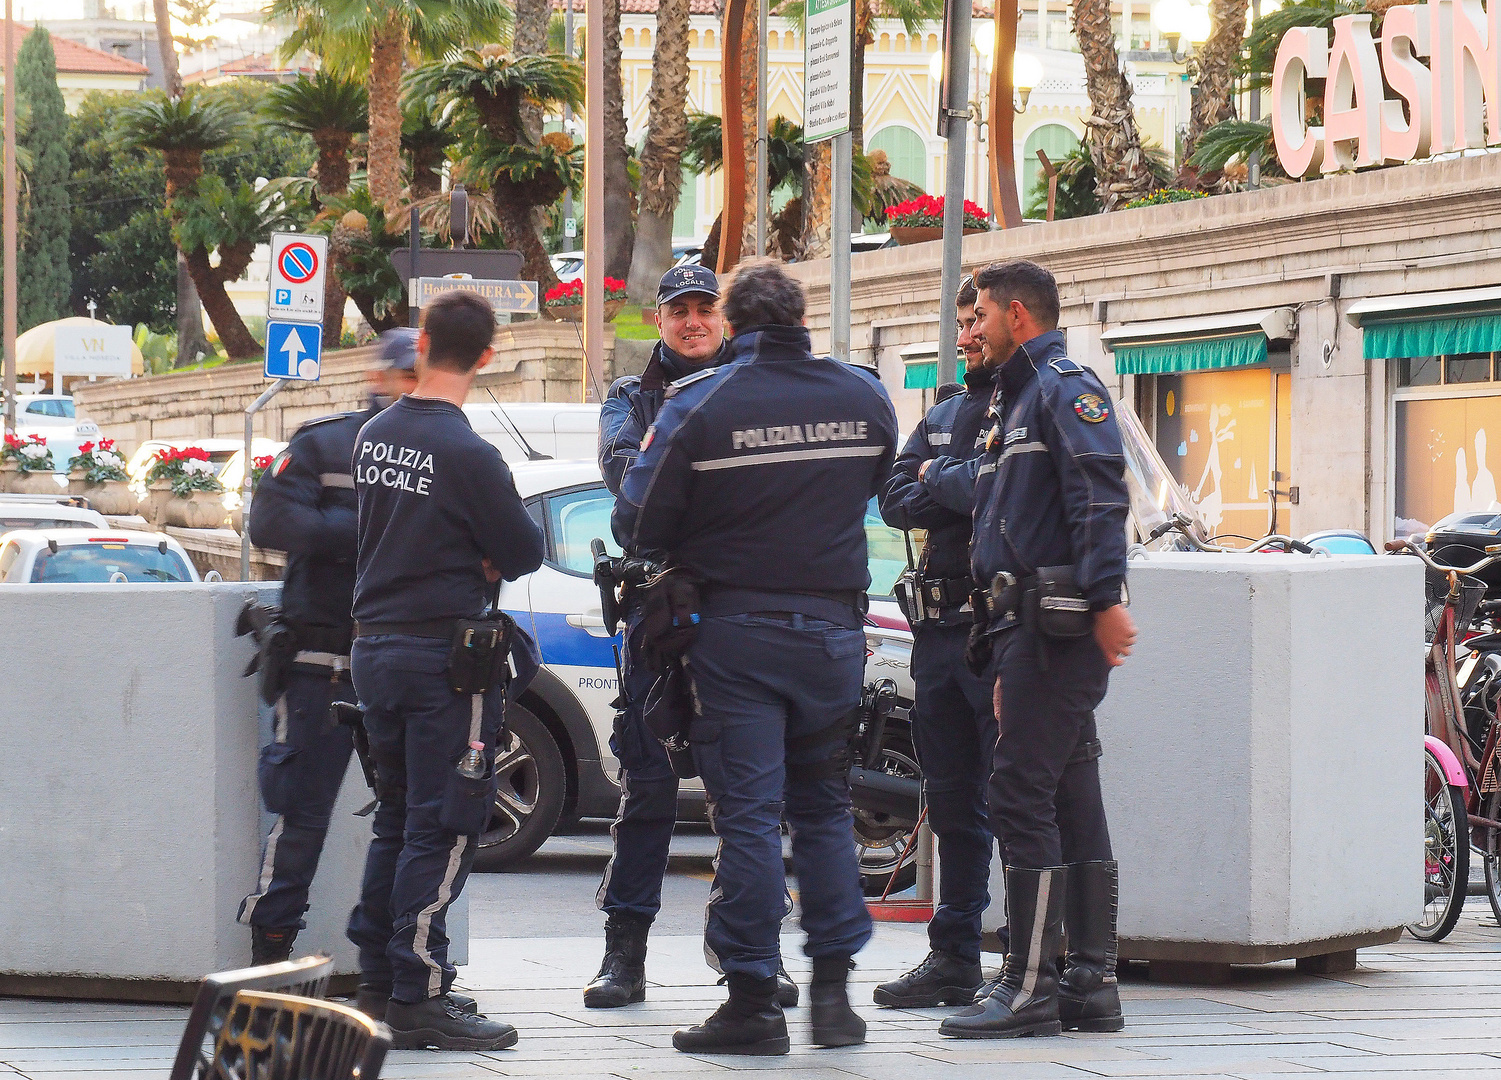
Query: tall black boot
[
  {"x": 271, "y": 944},
  {"x": 1088, "y": 997},
  {"x": 750, "y": 1022},
  {"x": 834, "y": 1022},
  {"x": 622, "y": 976},
  {"x": 1026, "y": 1000}
]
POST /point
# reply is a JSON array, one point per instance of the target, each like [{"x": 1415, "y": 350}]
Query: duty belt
[
  {"x": 322, "y": 648},
  {"x": 844, "y": 607},
  {"x": 945, "y": 592},
  {"x": 1002, "y": 600},
  {"x": 432, "y": 628}
]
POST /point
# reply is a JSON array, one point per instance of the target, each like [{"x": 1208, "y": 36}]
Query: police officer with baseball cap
[
  {"x": 753, "y": 482},
  {"x": 304, "y": 505},
  {"x": 1049, "y": 552}
]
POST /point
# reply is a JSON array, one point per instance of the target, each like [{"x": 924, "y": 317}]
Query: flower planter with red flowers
[
  {"x": 32, "y": 462},
  {"x": 564, "y": 302},
  {"x": 919, "y": 220},
  {"x": 195, "y": 500}
]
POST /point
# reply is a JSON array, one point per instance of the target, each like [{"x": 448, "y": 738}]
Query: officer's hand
[
  {"x": 1115, "y": 633},
  {"x": 922, "y": 470},
  {"x": 492, "y": 575}
]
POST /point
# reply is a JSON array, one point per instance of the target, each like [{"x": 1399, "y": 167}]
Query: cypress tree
[{"x": 45, "y": 277}]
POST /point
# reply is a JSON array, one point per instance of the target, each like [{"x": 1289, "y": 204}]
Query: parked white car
[
  {"x": 560, "y": 766},
  {"x": 53, "y": 417},
  {"x": 562, "y": 431},
  {"x": 69, "y": 556},
  {"x": 41, "y": 512}
]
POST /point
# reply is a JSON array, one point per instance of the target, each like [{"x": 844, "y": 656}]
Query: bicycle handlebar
[
  {"x": 1395, "y": 547},
  {"x": 1184, "y": 525}
]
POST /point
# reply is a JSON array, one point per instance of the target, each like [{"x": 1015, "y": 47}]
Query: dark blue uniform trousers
[
  {"x": 954, "y": 731},
  {"x": 312, "y": 755},
  {"x": 642, "y": 831},
  {"x": 760, "y": 681},
  {"x": 416, "y": 867},
  {"x": 1045, "y": 804}
]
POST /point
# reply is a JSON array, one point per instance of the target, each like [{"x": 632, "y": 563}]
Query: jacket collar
[
  {"x": 666, "y": 367},
  {"x": 980, "y": 380},
  {"x": 771, "y": 343},
  {"x": 1022, "y": 367}
]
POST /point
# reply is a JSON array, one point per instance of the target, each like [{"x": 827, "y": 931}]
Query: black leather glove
[{"x": 977, "y": 651}]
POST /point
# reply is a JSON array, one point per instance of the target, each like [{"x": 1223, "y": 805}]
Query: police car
[{"x": 558, "y": 766}]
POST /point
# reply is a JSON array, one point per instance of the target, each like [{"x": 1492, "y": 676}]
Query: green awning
[
  {"x": 1190, "y": 354},
  {"x": 1445, "y": 335},
  {"x": 923, "y": 374}
]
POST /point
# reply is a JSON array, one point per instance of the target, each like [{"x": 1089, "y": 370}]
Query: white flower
[
  {"x": 196, "y": 467},
  {"x": 33, "y": 451},
  {"x": 108, "y": 459}
]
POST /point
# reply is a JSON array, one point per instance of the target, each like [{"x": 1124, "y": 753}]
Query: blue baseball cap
[
  {"x": 682, "y": 280},
  {"x": 398, "y": 349}
]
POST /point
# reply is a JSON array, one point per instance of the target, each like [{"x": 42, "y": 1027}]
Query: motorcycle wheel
[
  {"x": 1446, "y": 854},
  {"x": 880, "y": 840}
]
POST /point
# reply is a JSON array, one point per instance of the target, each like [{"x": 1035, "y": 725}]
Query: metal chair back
[
  {"x": 307, "y": 977},
  {"x": 282, "y": 1037}
]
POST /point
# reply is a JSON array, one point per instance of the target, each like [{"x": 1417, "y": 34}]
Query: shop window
[
  {"x": 909, "y": 158},
  {"x": 1442, "y": 459},
  {"x": 1223, "y": 435}
]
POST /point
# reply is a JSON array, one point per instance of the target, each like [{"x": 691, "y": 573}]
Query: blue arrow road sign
[{"x": 293, "y": 350}]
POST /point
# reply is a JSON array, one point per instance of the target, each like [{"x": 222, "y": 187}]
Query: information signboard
[{"x": 827, "y": 63}]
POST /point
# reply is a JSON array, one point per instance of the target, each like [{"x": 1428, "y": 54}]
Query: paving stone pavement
[{"x": 1410, "y": 1009}]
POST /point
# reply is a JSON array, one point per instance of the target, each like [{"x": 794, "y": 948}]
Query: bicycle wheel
[
  {"x": 1446, "y": 854},
  {"x": 1490, "y": 851}
]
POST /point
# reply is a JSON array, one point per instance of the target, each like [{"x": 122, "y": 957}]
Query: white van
[{"x": 533, "y": 430}]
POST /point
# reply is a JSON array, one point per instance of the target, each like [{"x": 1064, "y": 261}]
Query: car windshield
[
  {"x": 7, "y": 523},
  {"x": 100, "y": 562}
]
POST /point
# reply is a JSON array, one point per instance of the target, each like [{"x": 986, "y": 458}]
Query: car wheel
[
  {"x": 881, "y": 840},
  {"x": 529, "y": 799}
]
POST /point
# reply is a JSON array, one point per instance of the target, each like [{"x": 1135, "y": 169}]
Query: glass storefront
[
  {"x": 1224, "y": 434},
  {"x": 1444, "y": 412}
]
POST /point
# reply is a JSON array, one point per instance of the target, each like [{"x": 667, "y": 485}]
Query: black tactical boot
[
  {"x": 271, "y": 944},
  {"x": 941, "y": 979},
  {"x": 1088, "y": 997},
  {"x": 750, "y": 1022},
  {"x": 834, "y": 1022},
  {"x": 787, "y": 995},
  {"x": 372, "y": 1000},
  {"x": 439, "y": 1023},
  {"x": 1026, "y": 1001},
  {"x": 622, "y": 976}
]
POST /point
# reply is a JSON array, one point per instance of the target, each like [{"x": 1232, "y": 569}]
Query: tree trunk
[
  {"x": 818, "y": 214},
  {"x": 619, "y": 201},
  {"x": 168, "y": 48},
  {"x": 233, "y": 335},
  {"x": 749, "y": 59},
  {"x": 710, "y": 256},
  {"x": 1213, "y": 90},
  {"x": 191, "y": 340},
  {"x": 333, "y": 179},
  {"x": 514, "y": 214},
  {"x": 384, "y": 143},
  {"x": 530, "y": 39},
  {"x": 1114, "y": 142},
  {"x": 662, "y": 156}
]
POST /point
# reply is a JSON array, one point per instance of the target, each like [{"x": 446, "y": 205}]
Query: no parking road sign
[
  {"x": 293, "y": 350},
  {"x": 299, "y": 263}
]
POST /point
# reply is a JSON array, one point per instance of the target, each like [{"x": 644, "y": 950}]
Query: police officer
[
  {"x": 1050, "y": 541},
  {"x": 953, "y": 724},
  {"x": 631, "y": 893},
  {"x": 754, "y": 478},
  {"x": 305, "y": 506},
  {"x": 439, "y": 522}
]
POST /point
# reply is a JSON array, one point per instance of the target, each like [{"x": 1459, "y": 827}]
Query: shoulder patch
[
  {"x": 1064, "y": 366},
  {"x": 687, "y": 381},
  {"x": 282, "y": 460},
  {"x": 1091, "y": 408}
]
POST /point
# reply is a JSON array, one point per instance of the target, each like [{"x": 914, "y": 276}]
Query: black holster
[
  {"x": 671, "y": 608},
  {"x": 351, "y": 716},
  {"x": 276, "y": 647},
  {"x": 1054, "y": 606},
  {"x": 479, "y": 658}
]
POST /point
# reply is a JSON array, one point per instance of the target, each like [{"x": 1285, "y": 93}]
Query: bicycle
[{"x": 1461, "y": 779}]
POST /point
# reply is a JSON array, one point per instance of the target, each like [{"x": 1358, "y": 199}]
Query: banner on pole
[{"x": 829, "y": 46}]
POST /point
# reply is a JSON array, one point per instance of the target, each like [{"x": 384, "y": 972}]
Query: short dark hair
[
  {"x": 460, "y": 326},
  {"x": 968, "y": 294},
  {"x": 759, "y": 293},
  {"x": 1025, "y": 281}
]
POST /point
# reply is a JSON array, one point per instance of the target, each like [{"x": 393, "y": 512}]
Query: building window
[
  {"x": 1223, "y": 435},
  {"x": 685, "y": 218},
  {"x": 1054, "y": 140},
  {"x": 904, "y": 147},
  {"x": 1445, "y": 409}
]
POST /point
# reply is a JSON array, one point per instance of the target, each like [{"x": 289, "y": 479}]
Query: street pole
[
  {"x": 9, "y": 228},
  {"x": 245, "y": 481},
  {"x": 594, "y": 198},
  {"x": 955, "y": 114},
  {"x": 1253, "y": 164},
  {"x": 841, "y": 207},
  {"x": 763, "y": 148},
  {"x": 415, "y": 240},
  {"x": 567, "y": 109}
]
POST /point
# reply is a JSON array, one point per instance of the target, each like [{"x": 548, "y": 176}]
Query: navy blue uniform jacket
[
  {"x": 305, "y": 505},
  {"x": 434, "y": 500},
  {"x": 757, "y": 474},
  {"x": 1051, "y": 489}
]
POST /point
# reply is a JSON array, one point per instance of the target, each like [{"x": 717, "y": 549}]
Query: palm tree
[
  {"x": 1217, "y": 62},
  {"x": 183, "y": 129},
  {"x": 523, "y": 174},
  {"x": 1122, "y": 170},
  {"x": 704, "y": 154},
  {"x": 372, "y": 39},
  {"x": 330, "y": 108},
  {"x": 426, "y": 135},
  {"x": 620, "y": 196},
  {"x": 662, "y": 153}
]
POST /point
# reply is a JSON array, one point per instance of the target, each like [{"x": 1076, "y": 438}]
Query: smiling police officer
[
  {"x": 953, "y": 723},
  {"x": 305, "y": 506},
  {"x": 1050, "y": 547},
  {"x": 754, "y": 482},
  {"x": 439, "y": 522}
]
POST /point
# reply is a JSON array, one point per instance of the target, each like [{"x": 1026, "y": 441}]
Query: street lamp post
[{"x": 8, "y": 216}]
